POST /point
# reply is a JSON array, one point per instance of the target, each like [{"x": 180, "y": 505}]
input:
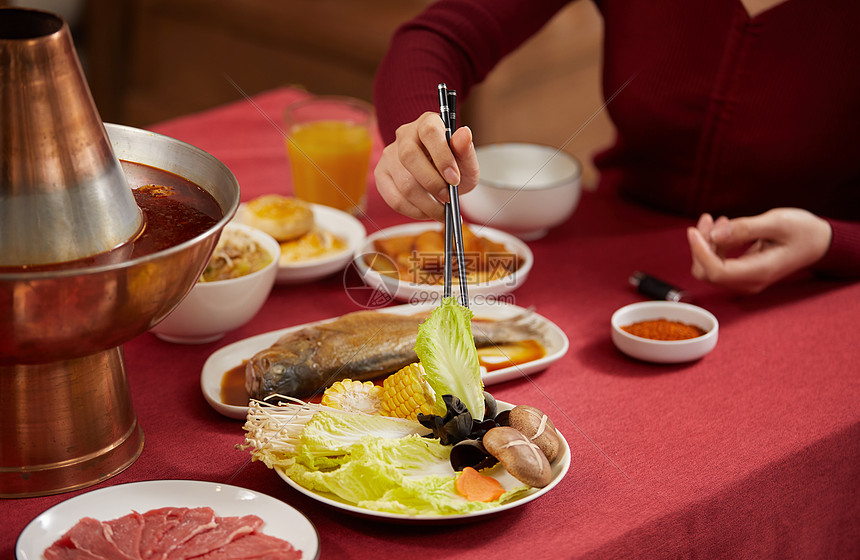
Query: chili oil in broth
[{"x": 174, "y": 211}]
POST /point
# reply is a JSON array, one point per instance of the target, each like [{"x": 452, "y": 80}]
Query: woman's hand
[
  {"x": 414, "y": 171},
  {"x": 779, "y": 242}
]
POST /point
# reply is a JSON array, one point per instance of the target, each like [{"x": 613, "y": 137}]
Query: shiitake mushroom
[
  {"x": 521, "y": 458},
  {"x": 536, "y": 426}
]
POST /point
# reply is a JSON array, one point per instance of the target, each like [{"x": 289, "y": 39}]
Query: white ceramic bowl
[
  {"x": 211, "y": 309},
  {"x": 664, "y": 351},
  {"x": 524, "y": 189},
  {"x": 414, "y": 292}
]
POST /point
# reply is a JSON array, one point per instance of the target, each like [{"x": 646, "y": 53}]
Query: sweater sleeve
[
  {"x": 456, "y": 42},
  {"x": 842, "y": 259}
]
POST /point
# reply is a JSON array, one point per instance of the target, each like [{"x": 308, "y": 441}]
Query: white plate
[
  {"x": 337, "y": 222},
  {"x": 559, "y": 469},
  {"x": 222, "y": 360},
  {"x": 415, "y": 292},
  {"x": 281, "y": 520}
]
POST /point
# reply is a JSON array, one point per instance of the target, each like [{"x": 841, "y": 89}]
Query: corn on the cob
[
  {"x": 406, "y": 393},
  {"x": 353, "y": 396}
]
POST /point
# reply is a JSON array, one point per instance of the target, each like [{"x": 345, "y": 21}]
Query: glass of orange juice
[{"x": 328, "y": 143}]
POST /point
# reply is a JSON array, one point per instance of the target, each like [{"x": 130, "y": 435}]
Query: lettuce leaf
[
  {"x": 411, "y": 475},
  {"x": 447, "y": 351},
  {"x": 329, "y": 436}
]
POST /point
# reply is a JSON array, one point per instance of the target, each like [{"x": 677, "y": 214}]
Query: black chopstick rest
[{"x": 655, "y": 288}]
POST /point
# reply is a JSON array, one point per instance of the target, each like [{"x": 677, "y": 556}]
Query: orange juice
[{"x": 329, "y": 160}]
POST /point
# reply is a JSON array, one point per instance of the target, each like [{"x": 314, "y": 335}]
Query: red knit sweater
[{"x": 715, "y": 111}]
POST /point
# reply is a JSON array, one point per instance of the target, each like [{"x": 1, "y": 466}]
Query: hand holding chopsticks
[{"x": 453, "y": 224}]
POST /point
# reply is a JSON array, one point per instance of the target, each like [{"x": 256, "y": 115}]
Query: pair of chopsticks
[{"x": 453, "y": 225}]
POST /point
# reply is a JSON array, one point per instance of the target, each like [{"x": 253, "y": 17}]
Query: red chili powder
[{"x": 663, "y": 329}]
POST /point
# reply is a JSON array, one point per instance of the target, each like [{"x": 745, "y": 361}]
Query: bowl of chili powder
[{"x": 664, "y": 331}]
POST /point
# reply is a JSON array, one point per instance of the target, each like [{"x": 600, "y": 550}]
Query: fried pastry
[{"x": 284, "y": 218}]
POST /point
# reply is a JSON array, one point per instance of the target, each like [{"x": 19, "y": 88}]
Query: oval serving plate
[
  {"x": 418, "y": 292},
  {"x": 340, "y": 224},
  {"x": 555, "y": 342},
  {"x": 559, "y": 468},
  {"x": 281, "y": 520}
]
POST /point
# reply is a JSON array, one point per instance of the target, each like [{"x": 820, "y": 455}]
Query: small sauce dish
[{"x": 664, "y": 351}]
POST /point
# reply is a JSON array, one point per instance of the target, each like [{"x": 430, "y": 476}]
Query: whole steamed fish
[{"x": 360, "y": 346}]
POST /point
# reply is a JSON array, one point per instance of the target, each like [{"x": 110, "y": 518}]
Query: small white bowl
[
  {"x": 211, "y": 309},
  {"x": 414, "y": 292},
  {"x": 524, "y": 189},
  {"x": 664, "y": 351}
]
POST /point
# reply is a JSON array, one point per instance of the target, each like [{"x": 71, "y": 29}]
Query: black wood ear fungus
[
  {"x": 471, "y": 453},
  {"x": 490, "y": 405}
]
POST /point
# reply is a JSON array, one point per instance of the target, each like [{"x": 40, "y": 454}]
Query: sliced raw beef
[
  {"x": 171, "y": 534},
  {"x": 168, "y": 528},
  {"x": 67, "y": 551},
  {"x": 254, "y": 547},
  {"x": 87, "y": 539},
  {"x": 125, "y": 534},
  {"x": 226, "y": 530}
]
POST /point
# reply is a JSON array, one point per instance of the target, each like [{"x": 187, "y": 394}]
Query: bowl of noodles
[{"x": 232, "y": 288}]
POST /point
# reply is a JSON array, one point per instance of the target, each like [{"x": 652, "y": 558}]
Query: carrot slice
[{"x": 477, "y": 487}]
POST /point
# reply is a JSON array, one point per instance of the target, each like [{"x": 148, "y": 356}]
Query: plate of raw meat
[{"x": 174, "y": 519}]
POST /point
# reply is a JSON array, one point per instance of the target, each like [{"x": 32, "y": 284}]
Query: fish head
[{"x": 283, "y": 370}]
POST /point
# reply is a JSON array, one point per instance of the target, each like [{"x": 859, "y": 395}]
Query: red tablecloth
[{"x": 753, "y": 451}]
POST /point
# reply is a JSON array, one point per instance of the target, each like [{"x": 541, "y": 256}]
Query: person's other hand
[
  {"x": 772, "y": 246},
  {"x": 414, "y": 171}
]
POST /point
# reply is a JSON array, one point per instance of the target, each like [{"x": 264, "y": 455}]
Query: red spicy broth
[{"x": 174, "y": 210}]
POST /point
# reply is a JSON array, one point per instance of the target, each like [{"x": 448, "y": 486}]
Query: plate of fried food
[
  {"x": 407, "y": 262},
  {"x": 315, "y": 240}
]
